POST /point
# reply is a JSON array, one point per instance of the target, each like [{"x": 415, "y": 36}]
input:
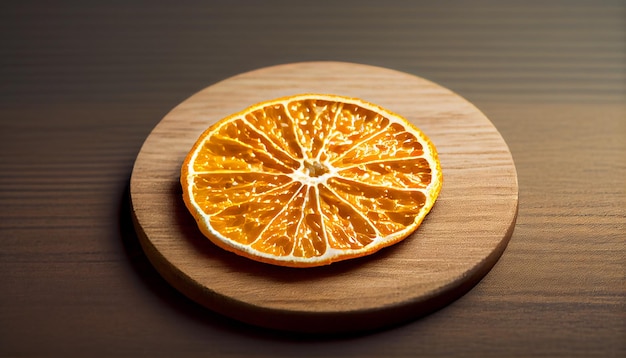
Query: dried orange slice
[{"x": 311, "y": 179}]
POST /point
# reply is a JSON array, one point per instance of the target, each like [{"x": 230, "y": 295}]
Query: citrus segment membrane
[{"x": 311, "y": 179}]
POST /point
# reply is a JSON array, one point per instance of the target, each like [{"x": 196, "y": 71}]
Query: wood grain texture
[
  {"x": 83, "y": 84},
  {"x": 457, "y": 244}
]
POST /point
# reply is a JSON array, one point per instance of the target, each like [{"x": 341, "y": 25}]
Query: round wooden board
[{"x": 456, "y": 245}]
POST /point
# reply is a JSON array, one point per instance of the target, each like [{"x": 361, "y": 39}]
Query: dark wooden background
[{"x": 82, "y": 84}]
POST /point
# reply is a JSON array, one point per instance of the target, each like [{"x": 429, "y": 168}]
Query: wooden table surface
[{"x": 82, "y": 85}]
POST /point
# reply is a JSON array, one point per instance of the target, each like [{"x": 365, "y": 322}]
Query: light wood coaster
[{"x": 456, "y": 245}]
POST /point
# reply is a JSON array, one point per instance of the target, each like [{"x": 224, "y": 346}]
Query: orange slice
[{"x": 311, "y": 179}]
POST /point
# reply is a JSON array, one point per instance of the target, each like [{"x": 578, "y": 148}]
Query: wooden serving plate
[{"x": 456, "y": 245}]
